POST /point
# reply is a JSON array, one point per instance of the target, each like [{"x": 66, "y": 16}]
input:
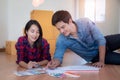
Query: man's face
[{"x": 64, "y": 28}]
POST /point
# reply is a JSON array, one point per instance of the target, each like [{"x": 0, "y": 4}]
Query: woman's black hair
[{"x": 38, "y": 42}]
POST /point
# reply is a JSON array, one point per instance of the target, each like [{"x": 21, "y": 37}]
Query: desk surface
[{"x": 8, "y": 66}]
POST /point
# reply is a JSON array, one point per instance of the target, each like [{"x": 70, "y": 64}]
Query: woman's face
[{"x": 33, "y": 34}]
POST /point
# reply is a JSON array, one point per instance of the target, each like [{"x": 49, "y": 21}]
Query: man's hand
[
  {"x": 98, "y": 64},
  {"x": 53, "y": 64}
]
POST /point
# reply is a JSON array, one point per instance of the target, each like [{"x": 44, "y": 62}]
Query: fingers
[
  {"x": 35, "y": 64},
  {"x": 48, "y": 65},
  {"x": 98, "y": 64},
  {"x": 53, "y": 64},
  {"x": 32, "y": 64}
]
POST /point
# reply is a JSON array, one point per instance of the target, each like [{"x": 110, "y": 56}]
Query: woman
[{"x": 32, "y": 49}]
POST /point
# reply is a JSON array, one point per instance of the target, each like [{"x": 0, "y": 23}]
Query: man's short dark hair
[{"x": 61, "y": 15}]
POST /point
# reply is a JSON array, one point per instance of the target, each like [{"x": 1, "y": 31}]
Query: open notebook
[{"x": 73, "y": 68}]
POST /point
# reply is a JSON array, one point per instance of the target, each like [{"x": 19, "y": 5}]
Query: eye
[
  {"x": 58, "y": 29},
  {"x": 32, "y": 31},
  {"x": 37, "y": 32},
  {"x": 63, "y": 27}
]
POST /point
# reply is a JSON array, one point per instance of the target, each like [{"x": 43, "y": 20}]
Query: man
[{"x": 84, "y": 38}]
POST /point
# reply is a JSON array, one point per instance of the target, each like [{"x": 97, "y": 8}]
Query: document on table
[
  {"x": 67, "y": 70},
  {"x": 57, "y": 71},
  {"x": 81, "y": 68},
  {"x": 73, "y": 68},
  {"x": 30, "y": 72}
]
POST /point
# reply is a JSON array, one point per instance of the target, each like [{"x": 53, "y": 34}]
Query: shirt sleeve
[
  {"x": 20, "y": 50},
  {"x": 97, "y": 35},
  {"x": 45, "y": 51},
  {"x": 60, "y": 49}
]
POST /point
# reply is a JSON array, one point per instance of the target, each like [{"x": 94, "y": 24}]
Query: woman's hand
[{"x": 32, "y": 64}]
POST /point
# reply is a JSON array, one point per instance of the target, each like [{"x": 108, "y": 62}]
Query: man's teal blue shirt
[{"x": 86, "y": 46}]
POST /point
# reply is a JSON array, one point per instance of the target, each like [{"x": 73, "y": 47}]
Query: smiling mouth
[
  {"x": 34, "y": 38},
  {"x": 64, "y": 33}
]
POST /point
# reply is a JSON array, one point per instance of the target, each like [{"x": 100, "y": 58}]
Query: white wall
[
  {"x": 111, "y": 23},
  {"x": 16, "y": 13},
  {"x": 3, "y": 22},
  {"x": 119, "y": 16},
  {"x": 19, "y": 13}
]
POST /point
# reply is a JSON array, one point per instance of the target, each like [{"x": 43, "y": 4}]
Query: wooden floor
[{"x": 8, "y": 66}]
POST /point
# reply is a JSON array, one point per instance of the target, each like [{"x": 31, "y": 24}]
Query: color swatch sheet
[{"x": 34, "y": 71}]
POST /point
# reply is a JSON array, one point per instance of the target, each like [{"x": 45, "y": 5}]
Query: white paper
[
  {"x": 63, "y": 70},
  {"x": 29, "y": 72},
  {"x": 67, "y": 68},
  {"x": 81, "y": 67}
]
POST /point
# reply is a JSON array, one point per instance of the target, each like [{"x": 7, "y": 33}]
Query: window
[{"x": 95, "y": 10}]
